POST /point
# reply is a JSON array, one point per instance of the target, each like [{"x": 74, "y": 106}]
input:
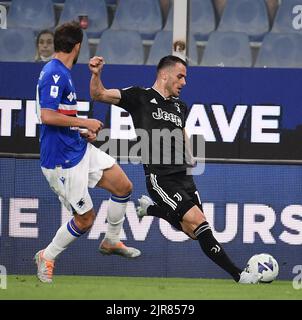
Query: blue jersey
[{"x": 59, "y": 146}]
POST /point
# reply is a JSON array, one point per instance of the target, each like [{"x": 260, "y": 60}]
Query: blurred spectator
[
  {"x": 219, "y": 6},
  {"x": 44, "y": 46},
  {"x": 165, "y": 5},
  {"x": 272, "y": 7}
]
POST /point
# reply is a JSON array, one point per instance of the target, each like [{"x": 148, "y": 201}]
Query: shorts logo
[
  {"x": 81, "y": 203},
  {"x": 177, "y": 196}
]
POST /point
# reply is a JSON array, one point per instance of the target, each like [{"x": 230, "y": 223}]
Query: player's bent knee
[
  {"x": 128, "y": 187},
  {"x": 191, "y": 235},
  {"x": 193, "y": 217},
  {"x": 124, "y": 188},
  {"x": 191, "y": 222},
  {"x": 188, "y": 229}
]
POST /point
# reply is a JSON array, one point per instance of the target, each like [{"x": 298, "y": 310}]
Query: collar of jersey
[
  {"x": 61, "y": 63},
  {"x": 164, "y": 98}
]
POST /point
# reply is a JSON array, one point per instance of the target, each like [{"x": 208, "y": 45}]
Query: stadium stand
[
  {"x": 249, "y": 16},
  {"x": 96, "y": 10},
  {"x": 283, "y": 22},
  {"x": 27, "y": 14},
  {"x": 111, "y": 2},
  {"x": 165, "y": 6},
  {"x": 227, "y": 49},
  {"x": 162, "y": 46},
  {"x": 143, "y": 16},
  {"x": 202, "y": 21},
  {"x": 121, "y": 47},
  {"x": 253, "y": 17},
  {"x": 17, "y": 45},
  {"x": 85, "y": 51},
  {"x": 272, "y": 6},
  {"x": 280, "y": 51}
]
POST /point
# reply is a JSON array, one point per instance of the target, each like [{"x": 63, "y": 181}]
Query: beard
[{"x": 75, "y": 60}]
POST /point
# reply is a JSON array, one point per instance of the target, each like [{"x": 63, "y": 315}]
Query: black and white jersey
[{"x": 159, "y": 123}]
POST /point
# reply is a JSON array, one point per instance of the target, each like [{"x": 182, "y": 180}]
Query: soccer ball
[{"x": 264, "y": 264}]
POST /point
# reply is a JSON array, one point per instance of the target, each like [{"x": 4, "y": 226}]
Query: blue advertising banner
[
  {"x": 243, "y": 113},
  {"x": 252, "y": 209}
]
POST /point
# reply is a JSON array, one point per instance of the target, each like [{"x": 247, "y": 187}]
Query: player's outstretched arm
[
  {"x": 188, "y": 150},
  {"x": 97, "y": 90},
  {"x": 51, "y": 117}
]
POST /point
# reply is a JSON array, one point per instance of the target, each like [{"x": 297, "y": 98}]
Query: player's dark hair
[
  {"x": 67, "y": 35},
  {"x": 169, "y": 61}
]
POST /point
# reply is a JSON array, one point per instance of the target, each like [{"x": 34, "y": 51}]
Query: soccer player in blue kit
[{"x": 70, "y": 162}]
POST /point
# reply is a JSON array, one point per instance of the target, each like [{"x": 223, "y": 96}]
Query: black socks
[{"x": 214, "y": 251}]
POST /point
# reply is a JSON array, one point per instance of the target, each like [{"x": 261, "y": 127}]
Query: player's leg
[
  {"x": 194, "y": 218},
  {"x": 65, "y": 235},
  {"x": 194, "y": 223},
  {"x": 147, "y": 207},
  {"x": 117, "y": 183},
  {"x": 164, "y": 201},
  {"x": 71, "y": 186},
  {"x": 150, "y": 207},
  {"x": 112, "y": 178},
  {"x": 179, "y": 194}
]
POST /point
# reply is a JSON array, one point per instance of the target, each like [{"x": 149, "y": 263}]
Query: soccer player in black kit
[{"x": 173, "y": 191}]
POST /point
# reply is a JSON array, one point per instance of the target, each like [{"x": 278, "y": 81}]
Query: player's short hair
[
  {"x": 169, "y": 61},
  {"x": 67, "y": 35}
]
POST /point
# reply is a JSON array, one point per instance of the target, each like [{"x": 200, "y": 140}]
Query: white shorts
[{"x": 71, "y": 185}]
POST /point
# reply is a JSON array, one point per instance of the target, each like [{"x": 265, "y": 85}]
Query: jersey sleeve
[
  {"x": 129, "y": 98},
  {"x": 51, "y": 88}
]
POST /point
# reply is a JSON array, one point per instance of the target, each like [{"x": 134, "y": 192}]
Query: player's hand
[
  {"x": 88, "y": 135},
  {"x": 96, "y": 64},
  {"x": 91, "y": 137},
  {"x": 93, "y": 125}
]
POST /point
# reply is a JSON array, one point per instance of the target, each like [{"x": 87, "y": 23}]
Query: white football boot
[
  {"x": 44, "y": 267},
  {"x": 144, "y": 203},
  {"x": 249, "y": 278},
  {"x": 108, "y": 247}
]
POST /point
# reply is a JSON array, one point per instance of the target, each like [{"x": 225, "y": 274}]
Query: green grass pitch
[{"x": 139, "y": 288}]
